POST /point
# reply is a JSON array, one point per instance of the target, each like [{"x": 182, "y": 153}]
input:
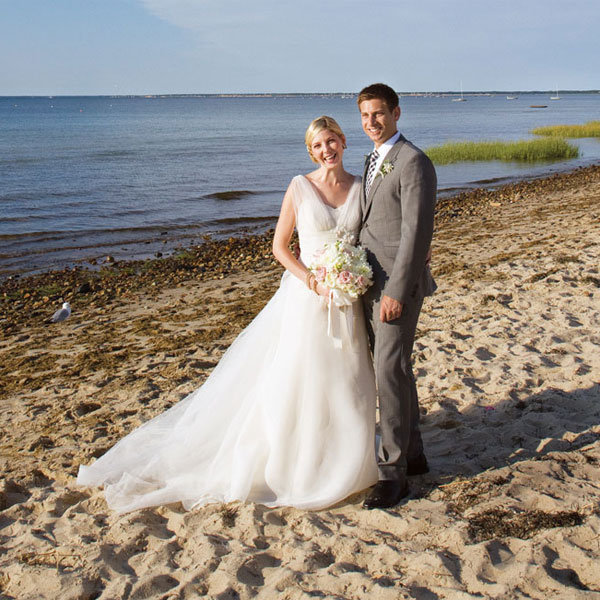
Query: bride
[{"x": 287, "y": 418}]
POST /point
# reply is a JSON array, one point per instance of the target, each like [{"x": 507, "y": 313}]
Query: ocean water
[{"x": 84, "y": 177}]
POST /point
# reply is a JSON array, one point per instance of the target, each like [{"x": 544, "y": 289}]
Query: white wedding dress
[{"x": 287, "y": 418}]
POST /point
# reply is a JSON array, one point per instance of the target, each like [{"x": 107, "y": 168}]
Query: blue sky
[{"x": 52, "y": 47}]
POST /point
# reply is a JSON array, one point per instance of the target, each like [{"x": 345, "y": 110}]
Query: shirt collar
[{"x": 387, "y": 145}]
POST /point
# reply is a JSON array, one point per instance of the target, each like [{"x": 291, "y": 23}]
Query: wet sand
[{"x": 508, "y": 368}]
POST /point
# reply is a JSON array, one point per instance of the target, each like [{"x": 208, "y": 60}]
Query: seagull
[{"x": 61, "y": 314}]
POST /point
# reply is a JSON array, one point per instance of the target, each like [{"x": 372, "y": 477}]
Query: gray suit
[{"x": 396, "y": 232}]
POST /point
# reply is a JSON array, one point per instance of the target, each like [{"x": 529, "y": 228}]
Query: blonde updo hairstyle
[{"x": 318, "y": 125}]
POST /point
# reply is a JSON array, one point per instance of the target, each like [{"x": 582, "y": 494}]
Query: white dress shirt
[{"x": 384, "y": 149}]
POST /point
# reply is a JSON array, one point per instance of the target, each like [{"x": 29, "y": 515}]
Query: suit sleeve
[{"x": 418, "y": 185}]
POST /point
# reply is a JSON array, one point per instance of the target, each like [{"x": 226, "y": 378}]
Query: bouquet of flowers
[{"x": 343, "y": 267}]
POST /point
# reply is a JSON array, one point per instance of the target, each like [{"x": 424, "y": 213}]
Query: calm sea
[{"x": 84, "y": 177}]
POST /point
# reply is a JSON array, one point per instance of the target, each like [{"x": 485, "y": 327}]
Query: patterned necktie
[{"x": 371, "y": 171}]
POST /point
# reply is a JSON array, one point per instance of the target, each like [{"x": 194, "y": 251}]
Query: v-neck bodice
[
  {"x": 317, "y": 222},
  {"x": 317, "y": 192}
]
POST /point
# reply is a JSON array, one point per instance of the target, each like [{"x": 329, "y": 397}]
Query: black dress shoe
[
  {"x": 386, "y": 494},
  {"x": 417, "y": 466}
]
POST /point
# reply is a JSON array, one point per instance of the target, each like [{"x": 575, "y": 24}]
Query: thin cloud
[{"x": 203, "y": 15}]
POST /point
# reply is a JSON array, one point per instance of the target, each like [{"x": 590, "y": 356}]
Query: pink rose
[
  {"x": 360, "y": 281},
  {"x": 321, "y": 274},
  {"x": 344, "y": 277}
]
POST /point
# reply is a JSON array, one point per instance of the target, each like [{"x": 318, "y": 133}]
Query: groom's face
[{"x": 378, "y": 121}]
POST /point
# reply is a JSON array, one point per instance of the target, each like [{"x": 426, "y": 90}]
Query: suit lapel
[{"x": 390, "y": 157}]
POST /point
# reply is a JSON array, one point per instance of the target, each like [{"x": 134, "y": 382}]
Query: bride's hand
[{"x": 323, "y": 290}]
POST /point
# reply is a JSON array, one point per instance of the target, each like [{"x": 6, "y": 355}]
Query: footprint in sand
[
  {"x": 85, "y": 408},
  {"x": 275, "y": 519},
  {"x": 573, "y": 321},
  {"x": 40, "y": 408},
  {"x": 42, "y": 442},
  {"x": 12, "y": 493},
  {"x": 153, "y": 587},
  {"x": 484, "y": 354},
  {"x": 251, "y": 572},
  {"x": 321, "y": 559},
  {"x": 564, "y": 576},
  {"x": 62, "y": 503}
]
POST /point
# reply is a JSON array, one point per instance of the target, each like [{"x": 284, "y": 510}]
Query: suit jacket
[{"x": 397, "y": 223}]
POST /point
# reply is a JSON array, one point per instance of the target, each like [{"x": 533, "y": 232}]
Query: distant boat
[
  {"x": 461, "y": 99},
  {"x": 557, "y": 97},
  {"x": 511, "y": 97},
  {"x": 538, "y": 106}
]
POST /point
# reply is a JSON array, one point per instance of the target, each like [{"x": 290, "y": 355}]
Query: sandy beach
[{"x": 508, "y": 369}]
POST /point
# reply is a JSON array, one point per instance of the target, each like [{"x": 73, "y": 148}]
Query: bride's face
[{"x": 327, "y": 148}]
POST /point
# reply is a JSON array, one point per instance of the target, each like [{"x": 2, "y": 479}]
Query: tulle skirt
[{"x": 286, "y": 418}]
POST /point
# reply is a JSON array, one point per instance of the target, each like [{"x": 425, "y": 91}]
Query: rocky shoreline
[{"x": 31, "y": 299}]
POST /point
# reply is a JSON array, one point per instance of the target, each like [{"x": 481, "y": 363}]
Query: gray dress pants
[{"x": 392, "y": 344}]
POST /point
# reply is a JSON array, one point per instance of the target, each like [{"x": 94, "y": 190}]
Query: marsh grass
[
  {"x": 537, "y": 150},
  {"x": 589, "y": 129}
]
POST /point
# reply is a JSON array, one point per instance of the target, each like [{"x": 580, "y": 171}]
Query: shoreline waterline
[
  {"x": 89, "y": 249},
  {"x": 30, "y": 297}
]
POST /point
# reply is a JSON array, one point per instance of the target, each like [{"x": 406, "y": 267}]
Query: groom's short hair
[{"x": 379, "y": 91}]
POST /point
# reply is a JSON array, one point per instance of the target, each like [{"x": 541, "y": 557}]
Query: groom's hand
[{"x": 389, "y": 309}]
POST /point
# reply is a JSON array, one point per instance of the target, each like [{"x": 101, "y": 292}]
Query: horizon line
[{"x": 266, "y": 94}]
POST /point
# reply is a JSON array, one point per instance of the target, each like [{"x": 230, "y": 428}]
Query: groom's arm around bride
[{"x": 398, "y": 203}]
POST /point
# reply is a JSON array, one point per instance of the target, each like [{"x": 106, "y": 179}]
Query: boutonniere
[{"x": 386, "y": 168}]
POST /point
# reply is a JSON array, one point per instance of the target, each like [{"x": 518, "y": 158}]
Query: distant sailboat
[
  {"x": 557, "y": 97},
  {"x": 461, "y": 99}
]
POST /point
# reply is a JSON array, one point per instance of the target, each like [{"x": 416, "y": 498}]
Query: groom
[{"x": 398, "y": 201}]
